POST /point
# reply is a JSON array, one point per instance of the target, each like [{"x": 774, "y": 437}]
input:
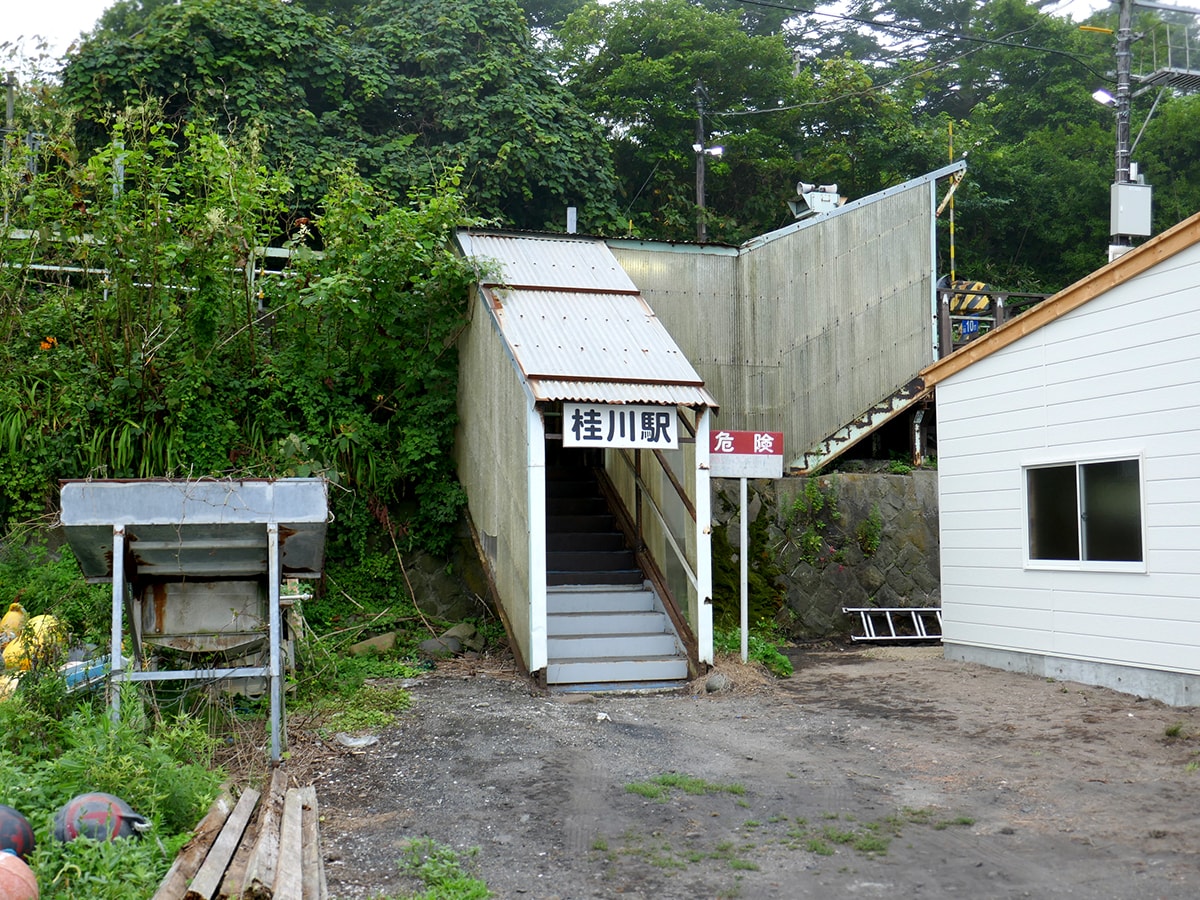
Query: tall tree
[
  {"x": 649, "y": 70},
  {"x": 405, "y": 90}
]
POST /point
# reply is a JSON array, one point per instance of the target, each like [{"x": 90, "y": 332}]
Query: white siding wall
[{"x": 1117, "y": 376}]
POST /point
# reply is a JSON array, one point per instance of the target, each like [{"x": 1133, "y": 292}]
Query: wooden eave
[{"x": 1120, "y": 270}]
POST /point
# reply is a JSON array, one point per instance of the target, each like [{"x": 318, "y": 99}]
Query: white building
[{"x": 1069, "y": 469}]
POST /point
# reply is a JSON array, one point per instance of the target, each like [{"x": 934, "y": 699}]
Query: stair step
[
  {"x": 572, "y": 490},
  {"x": 624, "y": 576},
  {"x": 576, "y": 506},
  {"x": 570, "y": 671},
  {"x": 587, "y": 624},
  {"x": 599, "y": 601},
  {"x": 590, "y": 560},
  {"x": 602, "y": 522},
  {"x": 585, "y": 540},
  {"x": 611, "y": 646}
]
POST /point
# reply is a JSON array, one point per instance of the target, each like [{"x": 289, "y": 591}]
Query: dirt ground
[{"x": 872, "y": 772}]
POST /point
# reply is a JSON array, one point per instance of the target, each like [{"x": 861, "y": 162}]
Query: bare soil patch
[{"x": 874, "y": 771}]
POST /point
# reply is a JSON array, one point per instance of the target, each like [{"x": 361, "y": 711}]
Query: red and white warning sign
[{"x": 746, "y": 454}]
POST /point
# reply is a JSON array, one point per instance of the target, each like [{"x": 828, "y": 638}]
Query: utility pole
[
  {"x": 1123, "y": 97},
  {"x": 701, "y": 225},
  {"x": 702, "y": 150}
]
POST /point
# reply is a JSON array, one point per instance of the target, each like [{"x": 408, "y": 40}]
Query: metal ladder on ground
[{"x": 923, "y": 623}]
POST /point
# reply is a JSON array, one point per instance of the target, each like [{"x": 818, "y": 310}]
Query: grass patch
[
  {"x": 819, "y": 847},
  {"x": 659, "y": 787},
  {"x": 441, "y": 871}
]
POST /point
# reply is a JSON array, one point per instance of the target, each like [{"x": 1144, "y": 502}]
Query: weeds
[
  {"x": 441, "y": 872},
  {"x": 762, "y": 646}
]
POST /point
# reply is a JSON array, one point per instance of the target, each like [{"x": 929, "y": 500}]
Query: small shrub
[
  {"x": 762, "y": 646},
  {"x": 441, "y": 871},
  {"x": 870, "y": 532}
]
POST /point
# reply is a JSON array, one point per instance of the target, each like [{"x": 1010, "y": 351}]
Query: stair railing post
[{"x": 639, "y": 538}]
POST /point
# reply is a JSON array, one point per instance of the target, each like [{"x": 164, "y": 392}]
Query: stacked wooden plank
[{"x": 234, "y": 856}]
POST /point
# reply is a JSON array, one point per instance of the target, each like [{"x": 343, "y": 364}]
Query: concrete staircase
[{"x": 606, "y": 627}]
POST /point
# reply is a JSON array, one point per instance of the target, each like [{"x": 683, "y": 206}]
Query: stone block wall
[{"x": 839, "y": 540}]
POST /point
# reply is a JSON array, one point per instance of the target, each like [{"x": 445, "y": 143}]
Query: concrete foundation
[{"x": 1171, "y": 688}]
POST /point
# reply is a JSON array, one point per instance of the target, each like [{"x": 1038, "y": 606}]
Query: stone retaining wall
[{"x": 823, "y": 552}]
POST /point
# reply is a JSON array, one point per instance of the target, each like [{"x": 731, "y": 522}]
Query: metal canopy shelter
[{"x": 149, "y": 531}]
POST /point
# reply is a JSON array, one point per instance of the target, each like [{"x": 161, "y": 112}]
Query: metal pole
[
  {"x": 10, "y": 85},
  {"x": 1124, "y": 77},
  {"x": 745, "y": 574},
  {"x": 701, "y": 225},
  {"x": 275, "y": 636},
  {"x": 116, "y": 661}
]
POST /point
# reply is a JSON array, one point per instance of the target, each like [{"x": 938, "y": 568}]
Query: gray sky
[
  {"x": 58, "y": 21},
  {"x": 61, "y": 21}
]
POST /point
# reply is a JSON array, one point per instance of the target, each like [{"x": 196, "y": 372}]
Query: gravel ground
[{"x": 871, "y": 772}]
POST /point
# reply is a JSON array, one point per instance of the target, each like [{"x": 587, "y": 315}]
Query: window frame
[{"x": 1080, "y": 564}]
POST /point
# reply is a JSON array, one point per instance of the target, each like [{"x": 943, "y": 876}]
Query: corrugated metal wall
[
  {"x": 806, "y": 330},
  {"x": 491, "y": 447}
]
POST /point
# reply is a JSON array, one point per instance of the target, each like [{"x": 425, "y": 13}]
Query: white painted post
[
  {"x": 704, "y": 620},
  {"x": 116, "y": 660},
  {"x": 744, "y": 571}
]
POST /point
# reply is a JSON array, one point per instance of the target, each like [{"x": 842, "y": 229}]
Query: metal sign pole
[
  {"x": 745, "y": 574},
  {"x": 116, "y": 659},
  {"x": 274, "y": 628}
]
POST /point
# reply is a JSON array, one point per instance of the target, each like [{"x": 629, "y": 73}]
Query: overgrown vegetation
[
  {"x": 143, "y": 332},
  {"x": 870, "y": 531},
  {"x": 57, "y": 745},
  {"x": 762, "y": 570}
]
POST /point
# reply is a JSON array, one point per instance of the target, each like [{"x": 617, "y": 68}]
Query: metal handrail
[{"x": 645, "y": 491}]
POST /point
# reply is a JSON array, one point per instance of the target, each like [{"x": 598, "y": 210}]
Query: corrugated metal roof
[
  {"x": 549, "y": 261},
  {"x": 577, "y": 326},
  {"x": 596, "y": 337}
]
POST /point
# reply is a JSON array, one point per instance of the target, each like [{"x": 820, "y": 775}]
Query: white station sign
[{"x": 609, "y": 425}]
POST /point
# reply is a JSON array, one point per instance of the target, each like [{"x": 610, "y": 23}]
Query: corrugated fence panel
[
  {"x": 492, "y": 459},
  {"x": 809, "y": 329}
]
